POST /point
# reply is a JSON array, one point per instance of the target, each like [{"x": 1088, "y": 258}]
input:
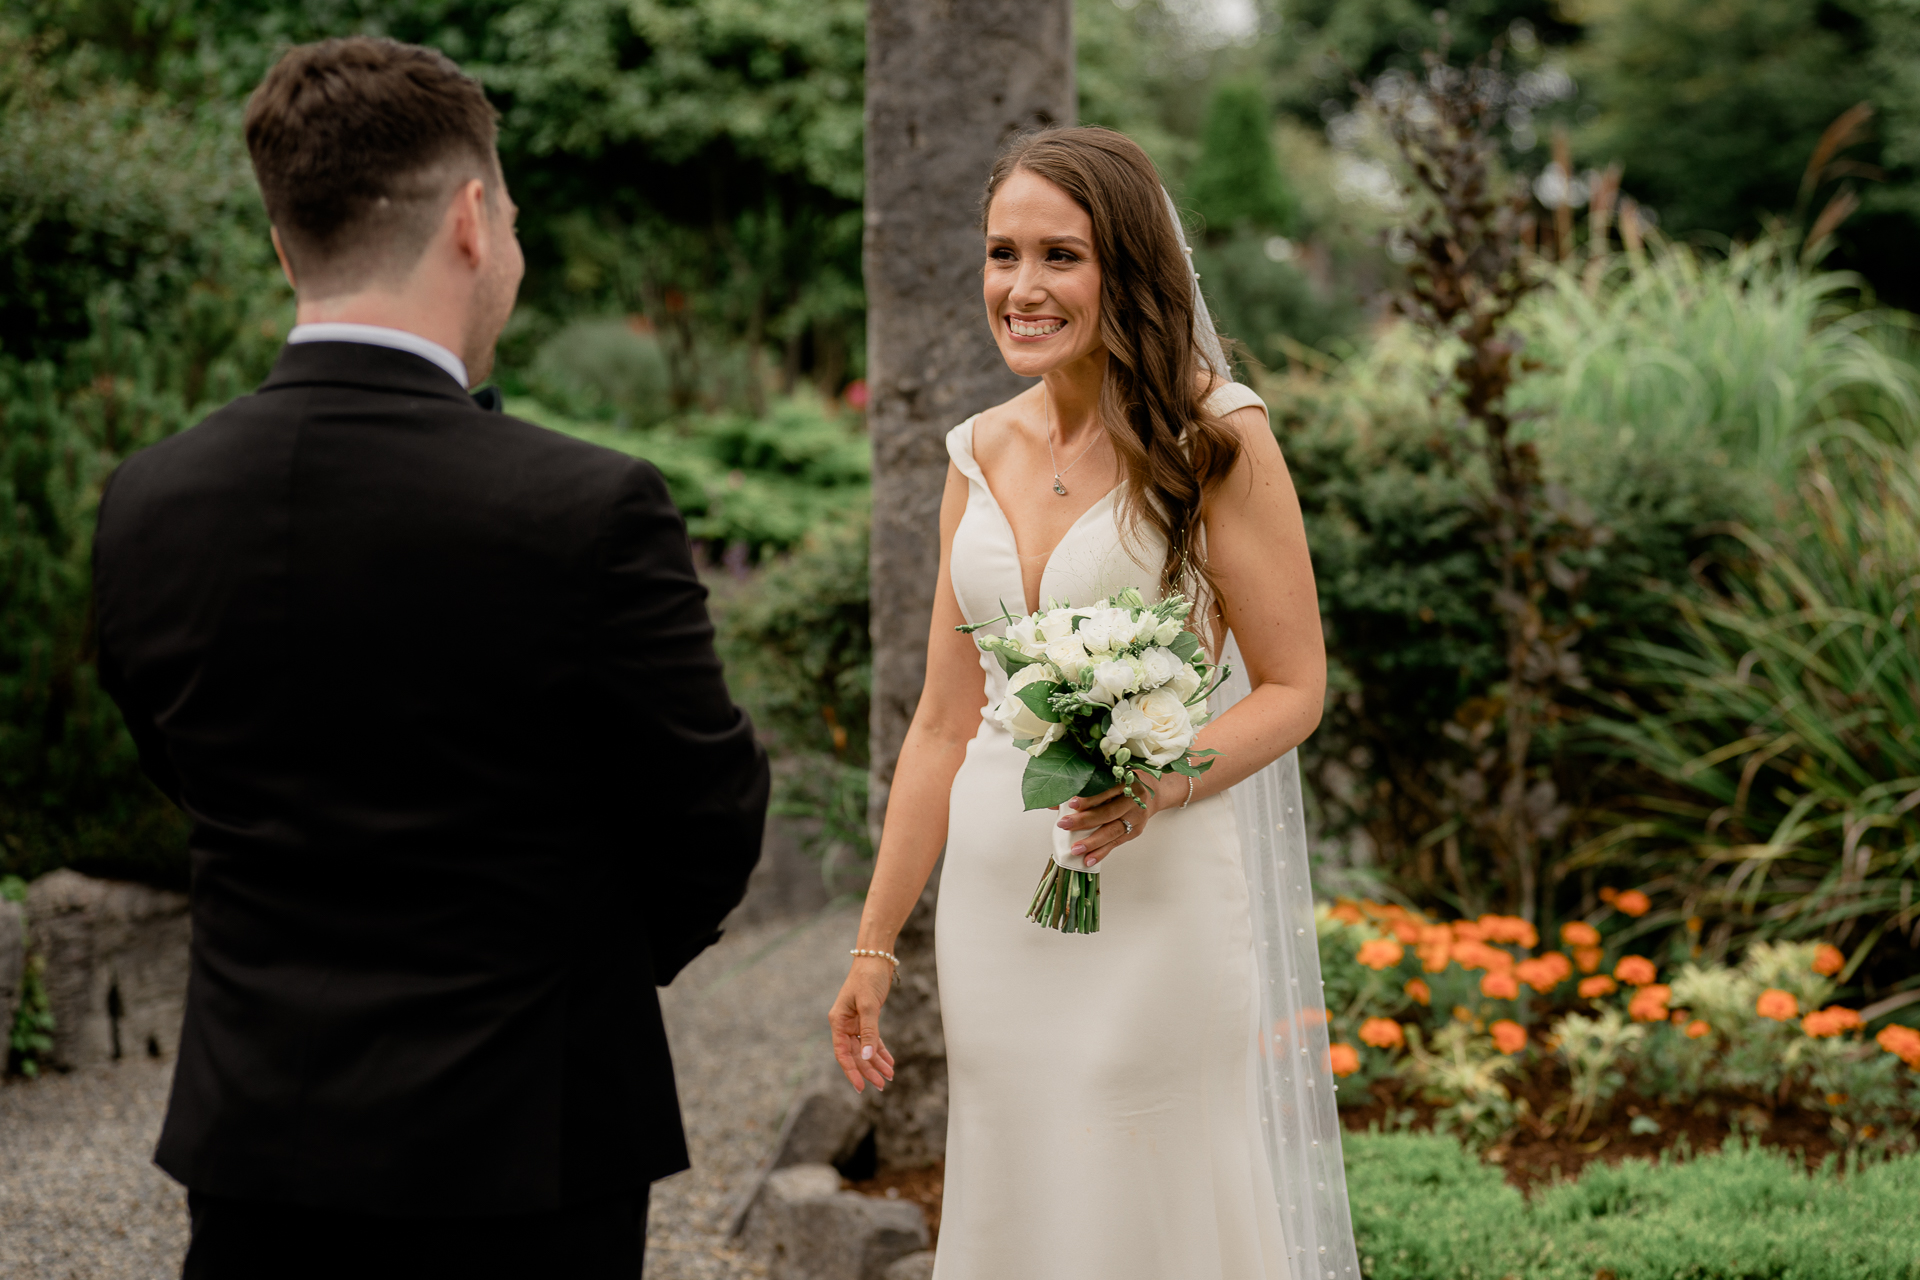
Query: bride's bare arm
[
  {"x": 1257, "y": 548},
  {"x": 946, "y": 719}
]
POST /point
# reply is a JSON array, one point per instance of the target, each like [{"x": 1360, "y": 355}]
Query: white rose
[
  {"x": 1122, "y": 627},
  {"x": 1093, "y": 633},
  {"x": 1129, "y": 722},
  {"x": 1185, "y": 683},
  {"x": 1026, "y": 634},
  {"x": 1056, "y": 624},
  {"x": 1168, "y": 729},
  {"x": 1111, "y": 680},
  {"x": 1067, "y": 654},
  {"x": 1158, "y": 665},
  {"x": 1015, "y": 716},
  {"x": 1167, "y": 632}
]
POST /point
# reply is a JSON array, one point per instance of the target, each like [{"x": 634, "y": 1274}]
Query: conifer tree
[{"x": 1237, "y": 184}]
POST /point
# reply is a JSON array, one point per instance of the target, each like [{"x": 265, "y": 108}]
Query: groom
[{"x": 438, "y": 690}]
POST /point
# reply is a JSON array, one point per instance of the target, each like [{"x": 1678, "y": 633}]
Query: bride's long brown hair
[{"x": 1151, "y": 399}]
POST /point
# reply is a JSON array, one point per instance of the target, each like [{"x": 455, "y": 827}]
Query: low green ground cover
[{"x": 1424, "y": 1208}]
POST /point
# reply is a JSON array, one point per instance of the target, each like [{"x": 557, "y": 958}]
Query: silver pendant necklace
[{"x": 1058, "y": 471}]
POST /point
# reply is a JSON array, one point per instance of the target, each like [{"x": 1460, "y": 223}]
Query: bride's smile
[{"x": 1042, "y": 280}]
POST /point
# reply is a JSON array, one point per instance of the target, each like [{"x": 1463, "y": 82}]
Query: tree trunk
[{"x": 948, "y": 81}]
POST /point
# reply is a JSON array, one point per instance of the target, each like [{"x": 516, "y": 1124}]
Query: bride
[{"x": 1130, "y": 1103}]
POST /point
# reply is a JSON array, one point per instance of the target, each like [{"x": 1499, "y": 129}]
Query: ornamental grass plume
[
  {"x": 1649, "y": 1003},
  {"x": 1902, "y": 1042},
  {"x": 1578, "y": 933},
  {"x": 1830, "y": 1021},
  {"x": 1635, "y": 971},
  {"x": 1827, "y": 960},
  {"x": 1633, "y": 903},
  {"x": 1500, "y": 985},
  {"x": 1344, "y": 1058},
  {"x": 1588, "y": 958},
  {"x": 1419, "y": 992},
  {"x": 1380, "y": 953},
  {"x": 1598, "y": 985},
  {"x": 1382, "y": 1033},
  {"x": 1508, "y": 1036},
  {"x": 1777, "y": 1004}
]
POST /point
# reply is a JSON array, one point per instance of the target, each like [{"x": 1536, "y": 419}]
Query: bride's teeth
[{"x": 1035, "y": 330}]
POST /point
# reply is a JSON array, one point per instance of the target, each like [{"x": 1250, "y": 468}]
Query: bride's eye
[{"x": 1000, "y": 254}]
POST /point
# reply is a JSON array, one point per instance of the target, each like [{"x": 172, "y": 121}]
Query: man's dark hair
[{"x": 358, "y": 144}]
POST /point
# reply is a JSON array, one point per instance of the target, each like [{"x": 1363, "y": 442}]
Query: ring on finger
[{"x": 1128, "y": 824}]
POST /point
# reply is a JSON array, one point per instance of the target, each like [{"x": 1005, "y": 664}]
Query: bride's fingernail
[
  {"x": 1066, "y": 823},
  {"x": 1079, "y": 848}
]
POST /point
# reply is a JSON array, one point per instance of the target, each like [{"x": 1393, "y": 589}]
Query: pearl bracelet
[
  {"x": 877, "y": 955},
  {"x": 1189, "y": 799}
]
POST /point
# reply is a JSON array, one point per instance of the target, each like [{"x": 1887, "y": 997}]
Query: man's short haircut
[{"x": 358, "y": 144}]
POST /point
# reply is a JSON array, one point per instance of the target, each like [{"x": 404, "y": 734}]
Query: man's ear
[
  {"x": 286, "y": 268},
  {"x": 469, "y": 210}
]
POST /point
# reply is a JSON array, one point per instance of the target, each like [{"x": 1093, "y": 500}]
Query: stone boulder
[
  {"x": 813, "y": 1230},
  {"x": 116, "y": 966},
  {"x": 13, "y": 963},
  {"x": 915, "y": 1266}
]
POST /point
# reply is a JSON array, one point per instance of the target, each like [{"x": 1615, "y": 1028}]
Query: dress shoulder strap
[
  {"x": 1232, "y": 396},
  {"x": 960, "y": 449}
]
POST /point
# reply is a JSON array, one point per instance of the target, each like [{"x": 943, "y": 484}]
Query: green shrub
[
  {"x": 1424, "y": 1209},
  {"x": 603, "y": 368}
]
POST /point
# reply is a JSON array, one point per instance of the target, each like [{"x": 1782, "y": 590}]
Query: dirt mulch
[
  {"x": 921, "y": 1186},
  {"x": 1540, "y": 1150}
]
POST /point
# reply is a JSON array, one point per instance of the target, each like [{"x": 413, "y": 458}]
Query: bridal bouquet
[{"x": 1094, "y": 696}]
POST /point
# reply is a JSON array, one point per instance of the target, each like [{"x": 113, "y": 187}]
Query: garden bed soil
[{"x": 1538, "y": 1151}]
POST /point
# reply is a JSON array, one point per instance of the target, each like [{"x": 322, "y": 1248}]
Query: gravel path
[{"x": 81, "y": 1200}]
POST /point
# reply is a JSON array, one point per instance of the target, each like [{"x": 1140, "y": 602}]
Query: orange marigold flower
[
  {"x": 1478, "y": 955},
  {"x": 1562, "y": 967},
  {"x": 1633, "y": 902},
  {"x": 1777, "y": 1004},
  {"x": 1382, "y": 1033},
  {"x": 1649, "y": 1003},
  {"x": 1828, "y": 960},
  {"x": 1598, "y": 985},
  {"x": 1500, "y": 986},
  {"x": 1609, "y": 893},
  {"x": 1419, "y": 991},
  {"x": 1468, "y": 931},
  {"x": 1434, "y": 956},
  {"x": 1380, "y": 953},
  {"x": 1436, "y": 935},
  {"x": 1540, "y": 974},
  {"x": 1345, "y": 1059},
  {"x": 1635, "y": 971},
  {"x": 1347, "y": 912},
  {"x": 1508, "y": 1036},
  {"x": 1697, "y": 1028},
  {"x": 1588, "y": 958},
  {"x": 1902, "y": 1042},
  {"x": 1830, "y": 1021},
  {"x": 1510, "y": 929},
  {"x": 1578, "y": 933},
  {"x": 1405, "y": 930}
]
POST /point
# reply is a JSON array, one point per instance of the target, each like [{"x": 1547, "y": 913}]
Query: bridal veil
[{"x": 1293, "y": 1071}]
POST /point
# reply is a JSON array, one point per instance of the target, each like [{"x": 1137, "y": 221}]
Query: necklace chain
[{"x": 1058, "y": 486}]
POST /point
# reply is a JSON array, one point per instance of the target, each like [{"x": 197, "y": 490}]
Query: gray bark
[{"x": 948, "y": 81}]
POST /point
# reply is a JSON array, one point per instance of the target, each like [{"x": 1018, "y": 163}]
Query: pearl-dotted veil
[{"x": 1293, "y": 1070}]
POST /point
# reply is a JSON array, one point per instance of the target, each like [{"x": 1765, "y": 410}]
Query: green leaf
[
  {"x": 1035, "y": 695},
  {"x": 1055, "y": 776},
  {"x": 1184, "y": 769},
  {"x": 1011, "y": 660},
  {"x": 1185, "y": 645}
]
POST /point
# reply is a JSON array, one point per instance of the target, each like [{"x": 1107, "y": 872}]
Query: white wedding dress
[{"x": 1105, "y": 1118}]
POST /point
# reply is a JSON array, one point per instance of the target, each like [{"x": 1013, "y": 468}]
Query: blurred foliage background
[{"x": 1730, "y": 396}]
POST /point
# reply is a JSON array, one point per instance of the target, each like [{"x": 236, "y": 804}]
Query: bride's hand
[
  {"x": 1100, "y": 823},
  {"x": 855, "y": 1023}
]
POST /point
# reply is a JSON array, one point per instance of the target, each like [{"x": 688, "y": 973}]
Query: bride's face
[{"x": 1042, "y": 283}]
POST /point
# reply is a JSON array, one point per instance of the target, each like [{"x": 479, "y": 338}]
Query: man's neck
[{"x": 387, "y": 311}]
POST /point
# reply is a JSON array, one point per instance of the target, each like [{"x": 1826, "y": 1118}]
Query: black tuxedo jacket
[{"x": 437, "y": 688}]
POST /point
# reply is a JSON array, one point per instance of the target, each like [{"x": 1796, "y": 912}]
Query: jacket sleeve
[
  {"x": 147, "y": 738},
  {"x": 700, "y": 780}
]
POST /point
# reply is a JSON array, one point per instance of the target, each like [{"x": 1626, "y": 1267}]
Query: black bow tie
[{"x": 488, "y": 398}]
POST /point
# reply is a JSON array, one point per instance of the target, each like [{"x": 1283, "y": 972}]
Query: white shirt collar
[{"x": 379, "y": 336}]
